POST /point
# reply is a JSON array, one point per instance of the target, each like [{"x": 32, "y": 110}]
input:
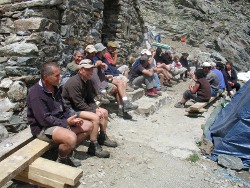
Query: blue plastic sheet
[{"x": 230, "y": 132}]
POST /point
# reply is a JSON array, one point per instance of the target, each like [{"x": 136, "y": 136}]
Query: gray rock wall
[{"x": 32, "y": 32}]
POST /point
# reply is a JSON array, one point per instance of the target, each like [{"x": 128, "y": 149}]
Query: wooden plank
[
  {"x": 201, "y": 110},
  {"x": 14, "y": 143},
  {"x": 49, "y": 183},
  {"x": 199, "y": 105},
  {"x": 36, "y": 179},
  {"x": 18, "y": 161},
  {"x": 56, "y": 171}
]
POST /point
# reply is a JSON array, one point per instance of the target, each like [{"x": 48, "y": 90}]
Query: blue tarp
[{"x": 230, "y": 132}]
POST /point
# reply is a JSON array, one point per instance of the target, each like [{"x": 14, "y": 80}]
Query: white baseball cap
[{"x": 146, "y": 51}]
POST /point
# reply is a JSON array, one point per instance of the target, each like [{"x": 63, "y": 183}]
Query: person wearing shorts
[{"x": 50, "y": 120}]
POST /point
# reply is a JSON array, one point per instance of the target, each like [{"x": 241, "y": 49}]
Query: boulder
[
  {"x": 3, "y": 133},
  {"x": 6, "y": 83},
  {"x": 231, "y": 162},
  {"x": 19, "y": 49},
  {"x": 17, "y": 91},
  {"x": 6, "y": 105}
]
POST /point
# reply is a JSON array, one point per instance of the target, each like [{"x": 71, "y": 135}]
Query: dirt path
[{"x": 152, "y": 152}]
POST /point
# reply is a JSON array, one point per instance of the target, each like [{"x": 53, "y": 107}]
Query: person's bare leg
[
  {"x": 120, "y": 86},
  {"x": 104, "y": 120},
  {"x": 66, "y": 139},
  {"x": 94, "y": 118},
  {"x": 83, "y": 131}
]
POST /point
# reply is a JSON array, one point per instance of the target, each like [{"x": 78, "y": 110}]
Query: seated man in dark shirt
[
  {"x": 142, "y": 73},
  {"x": 78, "y": 95},
  {"x": 50, "y": 120},
  {"x": 231, "y": 79}
]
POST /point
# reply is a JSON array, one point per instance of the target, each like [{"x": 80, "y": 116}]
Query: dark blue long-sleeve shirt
[
  {"x": 111, "y": 69},
  {"x": 44, "y": 109}
]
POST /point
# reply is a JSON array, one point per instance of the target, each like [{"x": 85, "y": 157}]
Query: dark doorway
[{"x": 110, "y": 20}]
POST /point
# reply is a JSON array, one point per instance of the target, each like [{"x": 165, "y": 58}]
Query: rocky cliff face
[{"x": 220, "y": 26}]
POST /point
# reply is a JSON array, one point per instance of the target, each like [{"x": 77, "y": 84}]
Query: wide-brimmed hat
[
  {"x": 99, "y": 47},
  {"x": 90, "y": 49},
  {"x": 86, "y": 63},
  {"x": 112, "y": 44}
]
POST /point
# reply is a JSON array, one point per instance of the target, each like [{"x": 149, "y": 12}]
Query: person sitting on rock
[
  {"x": 212, "y": 78},
  {"x": 111, "y": 54},
  {"x": 112, "y": 71},
  {"x": 161, "y": 65},
  {"x": 73, "y": 68},
  {"x": 231, "y": 79},
  {"x": 50, "y": 120},
  {"x": 220, "y": 76},
  {"x": 185, "y": 63},
  {"x": 124, "y": 105},
  {"x": 176, "y": 67},
  {"x": 78, "y": 96},
  {"x": 141, "y": 73},
  {"x": 200, "y": 92}
]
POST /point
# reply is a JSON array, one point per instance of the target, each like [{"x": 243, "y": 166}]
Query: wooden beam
[
  {"x": 14, "y": 143},
  {"x": 36, "y": 179},
  {"x": 18, "y": 161},
  {"x": 199, "y": 105},
  {"x": 56, "y": 171}
]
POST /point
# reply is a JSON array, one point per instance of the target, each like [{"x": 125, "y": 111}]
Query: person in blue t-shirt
[{"x": 219, "y": 74}]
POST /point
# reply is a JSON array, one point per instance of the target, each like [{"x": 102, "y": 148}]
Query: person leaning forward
[
  {"x": 50, "y": 120},
  {"x": 78, "y": 94}
]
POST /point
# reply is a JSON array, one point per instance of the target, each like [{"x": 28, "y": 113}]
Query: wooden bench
[
  {"x": 20, "y": 159},
  {"x": 199, "y": 107},
  {"x": 47, "y": 173}
]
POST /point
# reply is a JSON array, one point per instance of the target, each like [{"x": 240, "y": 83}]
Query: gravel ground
[{"x": 153, "y": 151}]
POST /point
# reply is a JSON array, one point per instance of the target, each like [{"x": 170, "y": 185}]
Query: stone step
[
  {"x": 136, "y": 94},
  {"x": 148, "y": 106}
]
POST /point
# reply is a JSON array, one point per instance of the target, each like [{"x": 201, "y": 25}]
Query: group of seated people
[
  {"x": 64, "y": 111},
  {"x": 211, "y": 81}
]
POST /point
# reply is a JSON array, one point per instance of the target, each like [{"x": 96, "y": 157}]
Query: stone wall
[{"x": 32, "y": 32}]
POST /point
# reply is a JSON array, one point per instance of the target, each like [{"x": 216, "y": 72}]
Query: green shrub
[{"x": 193, "y": 158}]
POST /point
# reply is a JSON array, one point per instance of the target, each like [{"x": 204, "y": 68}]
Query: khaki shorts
[
  {"x": 46, "y": 134},
  {"x": 110, "y": 88}
]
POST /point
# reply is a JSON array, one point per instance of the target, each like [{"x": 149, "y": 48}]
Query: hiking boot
[
  {"x": 184, "y": 79},
  {"x": 69, "y": 161},
  {"x": 96, "y": 150},
  {"x": 167, "y": 84},
  {"x": 128, "y": 106},
  {"x": 157, "y": 92},
  {"x": 129, "y": 88},
  {"x": 124, "y": 115},
  {"x": 103, "y": 139},
  {"x": 179, "y": 105},
  {"x": 109, "y": 97},
  {"x": 163, "y": 88},
  {"x": 102, "y": 99},
  {"x": 151, "y": 93}
]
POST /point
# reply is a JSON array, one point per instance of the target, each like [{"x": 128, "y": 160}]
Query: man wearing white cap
[
  {"x": 219, "y": 75},
  {"x": 78, "y": 95},
  {"x": 72, "y": 69},
  {"x": 212, "y": 78}
]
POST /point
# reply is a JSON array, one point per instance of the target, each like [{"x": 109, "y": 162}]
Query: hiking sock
[
  {"x": 104, "y": 91},
  {"x": 124, "y": 98}
]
